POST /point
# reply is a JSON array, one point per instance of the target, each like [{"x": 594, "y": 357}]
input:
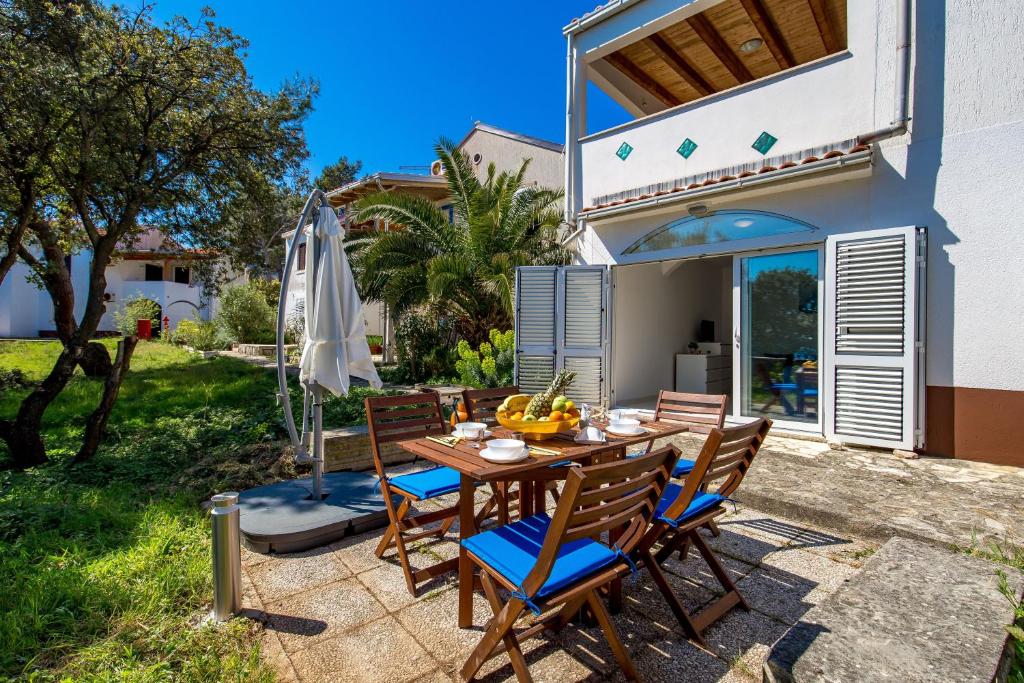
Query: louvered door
[
  {"x": 562, "y": 322},
  {"x": 874, "y": 338}
]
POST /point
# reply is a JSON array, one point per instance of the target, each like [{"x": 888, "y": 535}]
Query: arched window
[{"x": 714, "y": 227}]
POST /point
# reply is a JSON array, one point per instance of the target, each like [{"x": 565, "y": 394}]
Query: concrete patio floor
[{"x": 340, "y": 614}]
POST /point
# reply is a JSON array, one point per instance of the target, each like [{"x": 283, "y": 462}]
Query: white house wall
[
  {"x": 546, "y": 166},
  {"x": 960, "y": 177}
]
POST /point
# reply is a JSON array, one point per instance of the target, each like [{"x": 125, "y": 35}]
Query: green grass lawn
[{"x": 105, "y": 567}]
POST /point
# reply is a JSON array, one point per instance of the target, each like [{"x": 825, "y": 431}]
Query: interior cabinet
[{"x": 703, "y": 374}]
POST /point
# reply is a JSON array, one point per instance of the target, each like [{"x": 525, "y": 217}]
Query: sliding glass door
[{"x": 779, "y": 336}]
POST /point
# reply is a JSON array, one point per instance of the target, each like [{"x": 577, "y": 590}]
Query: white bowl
[
  {"x": 624, "y": 425},
  {"x": 470, "y": 430},
  {"x": 622, "y": 414},
  {"x": 506, "y": 448}
]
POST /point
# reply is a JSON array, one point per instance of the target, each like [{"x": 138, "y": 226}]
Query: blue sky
[{"x": 396, "y": 75}]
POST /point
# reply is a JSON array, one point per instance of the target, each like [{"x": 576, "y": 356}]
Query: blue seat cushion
[
  {"x": 683, "y": 467},
  {"x": 512, "y": 551},
  {"x": 428, "y": 483},
  {"x": 700, "y": 503}
]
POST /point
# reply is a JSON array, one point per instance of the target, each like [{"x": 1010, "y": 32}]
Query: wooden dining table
[{"x": 532, "y": 474}]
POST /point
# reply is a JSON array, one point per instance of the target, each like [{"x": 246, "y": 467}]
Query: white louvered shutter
[
  {"x": 536, "y": 290},
  {"x": 873, "y": 393},
  {"x": 562, "y": 322},
  {"x": 583, "y": 330}
]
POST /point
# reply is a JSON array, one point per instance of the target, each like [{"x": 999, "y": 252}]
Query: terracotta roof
[{"x": 765, "y": 166}]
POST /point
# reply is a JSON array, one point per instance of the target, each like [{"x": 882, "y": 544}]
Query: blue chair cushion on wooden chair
[
  {"x": 700, "y": 503},
  {"x": 512, "y": 550},
  {"x": 683, "y": 467},
  {"x": 428, "y": 483}
]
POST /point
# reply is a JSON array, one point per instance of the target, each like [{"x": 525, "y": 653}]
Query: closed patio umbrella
[{"x": 335, "y": 348}]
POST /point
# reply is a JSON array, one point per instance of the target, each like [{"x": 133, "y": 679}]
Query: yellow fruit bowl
[{"x": 537, "y": 431}]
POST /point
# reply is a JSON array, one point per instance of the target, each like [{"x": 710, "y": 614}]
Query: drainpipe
[
  {"x": 570, "y": 130},
  {"x": 902, "y": 118}
]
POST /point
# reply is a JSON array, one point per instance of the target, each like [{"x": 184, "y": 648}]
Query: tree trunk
[
  {"x": 97, "y": 423},
  {"x": 95, "y": 360},
  {"x": 23, "y": 436}
]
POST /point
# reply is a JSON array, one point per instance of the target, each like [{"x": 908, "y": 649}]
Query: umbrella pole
[{"x": 318, "y": 441}]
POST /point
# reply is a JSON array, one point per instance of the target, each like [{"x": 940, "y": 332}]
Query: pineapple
[{"x": 540, "y": 404}]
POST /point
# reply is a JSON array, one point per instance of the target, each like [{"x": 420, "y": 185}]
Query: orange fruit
[
  {"x": 572, "y": 412},
  {"x": 555, "y": 416}
]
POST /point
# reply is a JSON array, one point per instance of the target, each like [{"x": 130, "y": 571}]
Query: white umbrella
[{"x": 335, "y": 349}]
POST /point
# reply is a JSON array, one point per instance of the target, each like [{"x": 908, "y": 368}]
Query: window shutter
[
  {"x": 584, "y": 297},
  {"x": 874, "y": 343},
  {"x": 562, "y": 323},
  {"x": 535, "y": 327}
]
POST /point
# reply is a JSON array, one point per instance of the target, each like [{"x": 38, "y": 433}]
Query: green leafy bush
[
  {"x": 201, "y": 335},
  {"x": 13, "y": 379},
  {"x": 270, "y": 289},
  {"x": 489, "y": 366},
  {"x": 424, "y": 345},
  {"x": 135, "y": 309},
  {"x": 374, "y": 340},
  {"x": 246, "y": 315}
]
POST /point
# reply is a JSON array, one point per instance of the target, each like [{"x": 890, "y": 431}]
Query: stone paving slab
[
  {"x": 340, "y": 613},
  {"x": 914, "y": 613},
  {"x": 876, "y": 495}
]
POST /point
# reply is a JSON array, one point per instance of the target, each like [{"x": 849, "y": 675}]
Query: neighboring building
[
  {"x": 152, "y": 267},
  {"x": 833, "y": 186},
  {"x": 484, "y": 145}
]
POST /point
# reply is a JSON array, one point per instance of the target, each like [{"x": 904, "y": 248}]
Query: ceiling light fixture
[{"x": 751, "y": 45}]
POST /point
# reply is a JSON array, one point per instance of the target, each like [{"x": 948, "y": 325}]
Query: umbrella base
[{"x": 284, "y": 517}]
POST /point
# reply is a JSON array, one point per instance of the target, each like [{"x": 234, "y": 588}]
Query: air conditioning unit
[{"x": 437, "y": 168}]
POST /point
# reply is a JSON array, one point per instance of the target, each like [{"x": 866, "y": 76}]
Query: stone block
[
  {"x": 915, "y": 612},
  {"x": 348, "y": 448}
]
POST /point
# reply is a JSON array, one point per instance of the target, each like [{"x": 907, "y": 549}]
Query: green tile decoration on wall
[
  {"x": 686, "y": 149},
  {"x": 764, "y": 142},
  {"x": 624, "y": 149}
]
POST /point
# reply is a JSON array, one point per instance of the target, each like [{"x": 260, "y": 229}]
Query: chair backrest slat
[
  {"x": 727, "y": 454},
  {"x": 482, "y": 404},
  {"x": 396, "y": 418},
  {"x": 702, "y": 412},
  {"x": 618, "y": 494}
]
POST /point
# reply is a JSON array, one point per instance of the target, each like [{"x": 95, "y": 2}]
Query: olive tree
[{"x": 112, "y": 123}]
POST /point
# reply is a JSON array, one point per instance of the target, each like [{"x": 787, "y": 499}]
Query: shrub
[
  {"x": 134, "y": 309},
  {"x": 374, "y": 340},
  {"x": 424, "y": 347},
  {"x": 245, "y": 314},
  {"x": 201, "y": 335},
  {"x": 13, "y": 379},
  {"x": 270, "y": 289},
  {"x": 489, "y": 366}
]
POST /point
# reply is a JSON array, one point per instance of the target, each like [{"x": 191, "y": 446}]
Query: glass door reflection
[{"x": 779, "y": 335}]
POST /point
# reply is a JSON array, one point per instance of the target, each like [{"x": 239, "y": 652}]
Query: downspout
[
  {"x": 902, "y": 118},
  {"x": 570, "y": 142}
]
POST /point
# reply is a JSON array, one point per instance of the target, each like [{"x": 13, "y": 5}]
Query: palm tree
[{"x": 463, "y": 265}]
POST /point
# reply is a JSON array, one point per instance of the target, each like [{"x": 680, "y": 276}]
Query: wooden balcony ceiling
[{"x": 701, "y": 54}]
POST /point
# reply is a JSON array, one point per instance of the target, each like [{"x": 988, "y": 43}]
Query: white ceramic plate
[
  {"x": 638, "y": 432},
  {"x": 487, "y": 455}
]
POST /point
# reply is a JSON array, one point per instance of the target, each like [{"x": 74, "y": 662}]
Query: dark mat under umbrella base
[{"x": 284, "y": 517}]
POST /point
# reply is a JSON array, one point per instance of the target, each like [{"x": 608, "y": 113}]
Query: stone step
[{"x": 913, "y": 613}]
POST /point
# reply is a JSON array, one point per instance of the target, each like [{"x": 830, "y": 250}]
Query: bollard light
[{"x": 227, "y": 556}]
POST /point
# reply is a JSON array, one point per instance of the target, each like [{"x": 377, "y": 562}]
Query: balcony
[{"x": 708, "y": 80}]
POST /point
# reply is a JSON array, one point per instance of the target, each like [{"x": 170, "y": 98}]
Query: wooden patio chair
[
  {"x": 396, "y": 418},
  {"x": 701, "y": 412},
  {"x": 558, "y": 562},
  {"x": 482, "y": 406},
  {"x": 685, "y": 508}
]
